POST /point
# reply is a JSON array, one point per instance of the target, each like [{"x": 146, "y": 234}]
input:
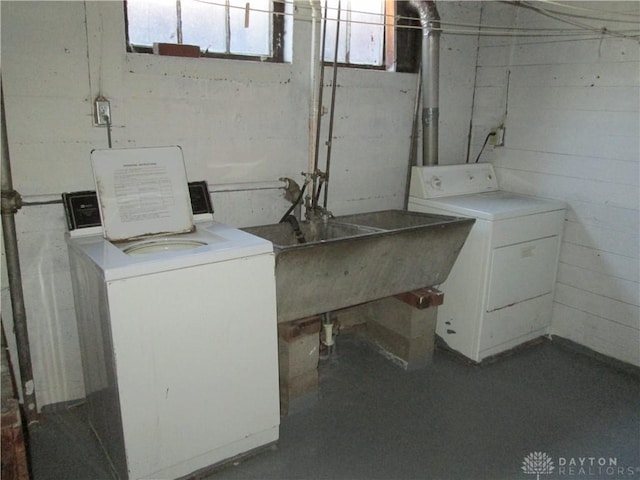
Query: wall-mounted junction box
[
  {"x": 102, "y": 111},
  {"x": 497, "y": 139}
]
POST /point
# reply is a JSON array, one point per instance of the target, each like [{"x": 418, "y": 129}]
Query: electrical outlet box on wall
[
  {"x": 102, "y": 112},
  {"x": 497, "y": 139}
]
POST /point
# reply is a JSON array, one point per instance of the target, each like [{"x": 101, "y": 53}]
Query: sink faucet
[{"x": 322, "y": 213}]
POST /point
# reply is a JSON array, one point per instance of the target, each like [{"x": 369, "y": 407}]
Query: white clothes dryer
[
  {"x": 499, "y": 293},
  {"x": 180, "y": 366}
]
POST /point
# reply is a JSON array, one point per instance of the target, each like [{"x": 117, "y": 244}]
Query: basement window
[
  {"x": 252, "y": 30},
  {"x": 378, "y": 34}
]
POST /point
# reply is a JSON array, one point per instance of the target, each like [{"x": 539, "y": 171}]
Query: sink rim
[
  {"x": 365, "y": 231},
  {"x": 362, "y": 231}
]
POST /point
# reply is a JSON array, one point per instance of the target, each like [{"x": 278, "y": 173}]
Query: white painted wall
[
  {"x": 236, "y": 122},
  {"x": 572, "y": 133}
]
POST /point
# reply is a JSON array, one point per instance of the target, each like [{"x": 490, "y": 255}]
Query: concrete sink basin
[{"x": 353, "y": 259}]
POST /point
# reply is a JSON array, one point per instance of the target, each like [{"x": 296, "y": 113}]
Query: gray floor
[{"x": 449, "y": 421}]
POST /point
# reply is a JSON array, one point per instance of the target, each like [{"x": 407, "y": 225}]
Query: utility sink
[{"x": 352, "y": 259}]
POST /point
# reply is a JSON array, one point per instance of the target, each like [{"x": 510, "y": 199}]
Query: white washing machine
[
  {"x": 178, "y": 330},
  {"x": 499, "y": 293}
]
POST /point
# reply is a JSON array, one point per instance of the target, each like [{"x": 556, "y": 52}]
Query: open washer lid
[{"x": 142, "y": 192}]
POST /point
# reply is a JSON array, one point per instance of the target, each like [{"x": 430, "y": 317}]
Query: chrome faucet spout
[{"x": 322, "y": 213}]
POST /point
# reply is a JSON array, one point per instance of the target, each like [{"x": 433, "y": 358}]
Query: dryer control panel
[{"x": 449, "y": 180}]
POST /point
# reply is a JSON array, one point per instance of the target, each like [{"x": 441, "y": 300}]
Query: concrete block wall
[
  {"x": 404, "y": 332},
  {"x": 298, "y": 354}
]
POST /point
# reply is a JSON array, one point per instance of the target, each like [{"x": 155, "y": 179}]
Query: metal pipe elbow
[{"x": 429, "y": 16}]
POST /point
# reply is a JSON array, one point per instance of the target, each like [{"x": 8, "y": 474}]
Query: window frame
[
  {"x": 277, "y": 39},
  {"x": 385, "y": 32},
  {"x": 407, "y": 38},
  {"x": 401, "y": 52}
]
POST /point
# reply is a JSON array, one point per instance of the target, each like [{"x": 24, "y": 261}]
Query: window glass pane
[
  {"x": 367, "y": 32},
  {"x": 203, "y": 24},
  {"x": 237, "y": 27},
  {"x": 361, "y": 32},
  {"x": 330, "y": 42},
  {"x": 288, "y": 32},
  {"x": 250, "y": 35},
  {"x": 152, "y": 21}
]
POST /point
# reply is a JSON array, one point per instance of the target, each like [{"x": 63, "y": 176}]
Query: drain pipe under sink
[
  {"x": 328, "y": 340},
  {"x": 430, "y": 21}
]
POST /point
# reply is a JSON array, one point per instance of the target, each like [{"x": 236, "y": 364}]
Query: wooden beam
[{"x": 422, "y": 298}]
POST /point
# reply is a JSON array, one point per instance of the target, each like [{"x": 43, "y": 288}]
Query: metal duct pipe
[
  {"x": 430, "y": 21},
  {"x": 11, "y": 202}
]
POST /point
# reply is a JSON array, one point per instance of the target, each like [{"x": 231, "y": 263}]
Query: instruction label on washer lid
[{"x": 142, "y": 192}]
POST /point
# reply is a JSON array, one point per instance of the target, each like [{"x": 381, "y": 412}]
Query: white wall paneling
[{"x": 572, "y": 123}]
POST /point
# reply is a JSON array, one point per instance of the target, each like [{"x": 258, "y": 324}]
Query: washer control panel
[{"x": 82, "y": 211}]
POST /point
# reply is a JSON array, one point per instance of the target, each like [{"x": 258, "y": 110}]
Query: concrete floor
[{"x": 451, "y": 420}]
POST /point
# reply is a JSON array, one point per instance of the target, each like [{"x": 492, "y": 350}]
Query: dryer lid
[
  {"x": 142, "y": 191},
  {"x": 499, "y": 205}
]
